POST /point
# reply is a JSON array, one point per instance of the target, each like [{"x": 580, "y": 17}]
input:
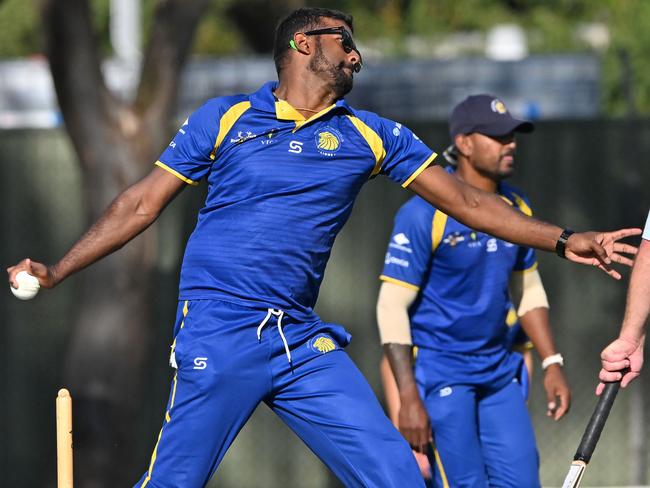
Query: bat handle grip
[{"x": 597, "y": 422}]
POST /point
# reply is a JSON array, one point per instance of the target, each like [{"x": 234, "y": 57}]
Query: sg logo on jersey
[{"x": 295, "y": 147}]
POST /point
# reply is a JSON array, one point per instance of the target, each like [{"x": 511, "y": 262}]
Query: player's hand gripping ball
[{"x": 28, "y": 286}]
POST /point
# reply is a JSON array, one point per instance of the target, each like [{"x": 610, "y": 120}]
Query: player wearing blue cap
[
  {"x": 283, "y": 166},
  {"x": 446, "y": 291}
]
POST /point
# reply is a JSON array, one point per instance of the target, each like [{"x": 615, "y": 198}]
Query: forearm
[
  {"x": 637, "y": 308},
  {"x": 391, "y": 395},
  {"x": 121, "y": 222},
  {"x": 400, "y": 359},
  {"x": 483, "y": 211},
  {"x": 537, "y": 326},
  {"x": 128, "y": 215}
]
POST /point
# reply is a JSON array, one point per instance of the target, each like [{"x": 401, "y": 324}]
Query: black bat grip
[{"x": 597, "y": 422}]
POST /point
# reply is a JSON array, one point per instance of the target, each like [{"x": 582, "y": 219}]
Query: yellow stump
[{"x": 64, "y": 439}]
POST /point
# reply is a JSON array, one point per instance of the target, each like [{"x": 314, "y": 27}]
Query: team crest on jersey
[
  {"x": 454, "y": 239},
  {"x": 328, "y": 141},
  {"x": 322, "y": 344},
  {"x": 498, "y": 106},
  {"x": 242, "y": 136}
]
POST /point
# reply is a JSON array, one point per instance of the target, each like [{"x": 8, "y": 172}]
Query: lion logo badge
[
  {"x": 328, "y": 141},
  {"x": 322, "y": 344}
]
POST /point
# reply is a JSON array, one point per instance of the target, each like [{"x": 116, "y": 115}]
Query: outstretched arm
[
  {"x": 128, "y": 215},
  {"x": 627, "y": 350},
  {"x": 487, "y": 212}
]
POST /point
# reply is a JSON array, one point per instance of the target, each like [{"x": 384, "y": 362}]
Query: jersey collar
[{"x": 264, "y": 100}]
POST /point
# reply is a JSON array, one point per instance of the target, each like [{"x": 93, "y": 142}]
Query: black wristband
[{"x": 560, "y": 245}]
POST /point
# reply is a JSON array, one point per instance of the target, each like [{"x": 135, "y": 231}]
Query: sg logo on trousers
[{"x": 200, "y": 363}]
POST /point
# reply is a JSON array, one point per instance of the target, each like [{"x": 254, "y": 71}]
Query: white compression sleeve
[
  {"x": 527, "y": 291},
  {"x": 392, "y": 313}
]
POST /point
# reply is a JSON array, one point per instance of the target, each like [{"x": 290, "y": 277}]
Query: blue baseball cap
[{"x": 486, "y": 115}]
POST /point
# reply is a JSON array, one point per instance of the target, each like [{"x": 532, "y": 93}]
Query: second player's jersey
[
  {"x": 279, "y": 190},
  {"x": 461, "y": 275}
]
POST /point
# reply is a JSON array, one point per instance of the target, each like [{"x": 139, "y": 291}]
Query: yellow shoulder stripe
[
  {"x": 373, "y": 140},
  {"x": 438, "y": 229},
  {"x": 523, "y": 206},
  {"x": 227, "y": 121},
  {"x": 176, "y": 173},
  {"x": 399, "y": 282},
  {"x": 422, "y": 167}
]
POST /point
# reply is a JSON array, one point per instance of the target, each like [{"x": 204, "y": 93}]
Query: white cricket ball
[{"x": 28, "y": 286}]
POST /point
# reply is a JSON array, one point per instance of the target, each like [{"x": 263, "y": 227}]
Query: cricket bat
[{"x": 590, "y": 437}]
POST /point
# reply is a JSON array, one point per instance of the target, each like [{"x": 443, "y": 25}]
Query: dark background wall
[{"x": 582, "y": 174}]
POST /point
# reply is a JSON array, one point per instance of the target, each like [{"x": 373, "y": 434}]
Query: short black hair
[{"x": 301, "y": 20}]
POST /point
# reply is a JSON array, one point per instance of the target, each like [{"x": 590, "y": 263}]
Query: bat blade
[
  {"x": 591, "y": 436},
  {"x": 574, "y": 476}
]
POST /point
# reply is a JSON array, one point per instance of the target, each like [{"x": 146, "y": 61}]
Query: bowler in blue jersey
[
  {"x": 446, "y": 290},
  {"x": 283, "y": 166}
]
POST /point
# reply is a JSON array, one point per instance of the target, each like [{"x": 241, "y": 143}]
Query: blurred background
[{"x": 91, "y": 91}]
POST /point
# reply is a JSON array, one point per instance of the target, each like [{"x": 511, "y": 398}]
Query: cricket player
[
  {"x": 516, "y": 340},
  {"x": 283, "y": 166},
  {"x": 626, "y": 352},
  {"x": 446, "y": 290}
]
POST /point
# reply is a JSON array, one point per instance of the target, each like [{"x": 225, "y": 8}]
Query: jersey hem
[
  {"x": 417, "y": 172},
  {"x": 527, "y": 270},
  {"x": 162, "y": 165},
  {"x": 399, "y": 282}
]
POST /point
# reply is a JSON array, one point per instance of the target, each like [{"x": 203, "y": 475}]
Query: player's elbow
[{"x": 134, "y": 205}]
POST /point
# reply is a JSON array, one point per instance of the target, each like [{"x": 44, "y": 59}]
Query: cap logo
[{"x": 498, "y": 106}]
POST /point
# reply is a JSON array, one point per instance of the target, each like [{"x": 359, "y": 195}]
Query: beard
[{"x": 340, "y": 80}]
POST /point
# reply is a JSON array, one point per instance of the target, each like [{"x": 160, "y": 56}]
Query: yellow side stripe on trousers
[
  {"x": 155, "y": 449},
  {"x": 185, "y": 308},
  {"x": 167, "y": 416},
  {"x": 443, "y": 476}
]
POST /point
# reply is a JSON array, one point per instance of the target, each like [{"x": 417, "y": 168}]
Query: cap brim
[{"x": 506, "y": 127}]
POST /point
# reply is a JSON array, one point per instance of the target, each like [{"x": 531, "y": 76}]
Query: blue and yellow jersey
[
  {"x": 280, "y": 187},
  {"x": 516, "y": 338},
  {"x": 461, "y": 275}
]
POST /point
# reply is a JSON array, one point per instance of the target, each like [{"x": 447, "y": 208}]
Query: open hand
[
  {"x": 558, "y": 394},
  {"x": 413, "y": 420},
  {"x": 601, "y": 249}
]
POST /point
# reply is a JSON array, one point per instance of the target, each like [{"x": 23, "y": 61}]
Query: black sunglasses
[{"x": 346, "y": 41}]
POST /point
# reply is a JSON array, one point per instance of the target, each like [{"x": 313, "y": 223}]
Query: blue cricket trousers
[
  {"x": 481, "y": 426},
  {"x": 229, "y": 358}
]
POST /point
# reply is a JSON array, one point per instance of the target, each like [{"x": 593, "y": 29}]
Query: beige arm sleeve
[
  {"x": 527, "y": 291},
  {"x": 392, "y": 313}
]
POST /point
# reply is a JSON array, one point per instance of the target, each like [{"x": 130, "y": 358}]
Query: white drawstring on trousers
[{"x": 279, "y": 314}]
